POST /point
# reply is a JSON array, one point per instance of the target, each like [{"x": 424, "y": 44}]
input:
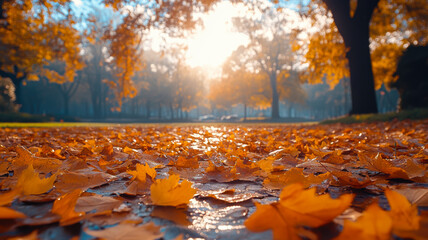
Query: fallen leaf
[
  {"x": 96, "y": 203},
  {"x": 41, "y": 164},
  {"x": 381, "y": 165},
  {"x": 418, "y": 196},
  {"x": 81, "y": 179},
  {"x": 270, "y": 217},
  {"x": 64, "y": 206},
  {"x": 230, "y": 195},
  {"x": 8, "y": 197},
  {"x": 184, "y": 162},
  {"x": 30, "y": 183},
  {"x": 176, "y": 215},
  {"x": 8, "y": 213},
  {"x": 306, "y": 208},
  {"x": 296, "y": 208},
  {"x": 127, "y": 231},
  {"x": 168, "y": 192},
  {"x": 404, "y": 215},
  {"x": 294, "y": 175},
  {"x": 352, "y": 180},
  {"x": 374, "y": 223},
  {"x": 142, "y": 171}
]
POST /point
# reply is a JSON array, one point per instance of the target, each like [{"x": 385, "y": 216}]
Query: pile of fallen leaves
[{"x": 361, "y": 181}]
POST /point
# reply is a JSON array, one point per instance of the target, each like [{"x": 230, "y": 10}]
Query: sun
[{"x": 210, "y": 46}]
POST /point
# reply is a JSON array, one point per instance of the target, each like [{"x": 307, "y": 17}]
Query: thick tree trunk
[
  {"x": 362, "y": 82},
  {"x": 355, "y": 33},
  {"x": 275, "y": 97}
]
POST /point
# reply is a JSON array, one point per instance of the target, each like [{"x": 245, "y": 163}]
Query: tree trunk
[
  {"x": 275, "y": 97},
  {"x": 245, "y": 112},
  {"x": 362, "y": 82},
  {"x": 66, "y": 103},
  {"x": 355, "y": 33}
]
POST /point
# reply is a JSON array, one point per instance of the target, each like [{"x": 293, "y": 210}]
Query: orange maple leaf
[
  {"x": 168, "y": 192},
  {"x": 294, "y": 175},
  {"x": 381, "y": 165},
  {"x": 142, "y": 171},
  {"x": 404, "y": 215},
  {"x": 374, "y": 223},
  {"x": 64, "y": 206},
  {"x": 296, "y": 207},
  {"x": 30, "y": 183}
]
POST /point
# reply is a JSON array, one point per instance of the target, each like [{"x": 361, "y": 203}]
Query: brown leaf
[
  {"x": 177, "y": 215},
  {"x": 127, "y": 231},
  {"x": 96, "y": 203}
]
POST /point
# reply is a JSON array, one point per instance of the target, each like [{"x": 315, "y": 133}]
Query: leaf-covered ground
[{"x": 360, "y": 181}]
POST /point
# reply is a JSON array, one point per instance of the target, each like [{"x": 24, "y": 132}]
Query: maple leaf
[
  {"x": 296, "y": 207},
  {"x": 187, "y": 162},
  {"x": 64, "y": 206},
  {"x": 269, "y": 217},
  {"x": 374, "y": 223},
  {"x": 294, "y": 175},
  {"x": 404, "y": 215},
  {"x": 26, "y": 158},
  {"x": 306, "y": 208},
  {"x": 168, "y": 192},
  {"x": 128, "y": 231},
  {"x": 381, "y": 165},
  {"x": 352, "y": 180},
  {"x": 142, "y": 171},
  {"x": 7, "y": 213},
  {"x": 30, "y": 183}
]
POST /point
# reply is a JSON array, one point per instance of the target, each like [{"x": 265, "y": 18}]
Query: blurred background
[{"x": 160, "y": 61}]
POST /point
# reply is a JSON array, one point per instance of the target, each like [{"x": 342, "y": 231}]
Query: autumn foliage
[{"x": 311, "y": 181}]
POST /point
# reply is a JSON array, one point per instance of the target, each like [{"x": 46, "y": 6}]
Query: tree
[
  {"x": 32, "y": 36},
  {"x": 35, "y": 32},
  {"x": 68, "y": 88},
  {"x": 238, "y": 85},
  {"x": 187, "y": 88},
  {"x": 361, "y": 26},
  {"x": 412, "y": 73},
  {"x": 7, "y": 96},
  {"x": 269, "y": 50}
]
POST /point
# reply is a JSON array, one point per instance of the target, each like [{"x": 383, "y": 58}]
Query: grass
[{"x": 413, "y": 114}]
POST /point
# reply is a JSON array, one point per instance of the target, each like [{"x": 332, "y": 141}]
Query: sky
[{"x": 210, "y": 46}]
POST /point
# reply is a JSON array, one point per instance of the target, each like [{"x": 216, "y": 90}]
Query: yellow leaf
[
  {"x": 142, "y": 171},
  {"x": 7, "y": 213},
  {"x": 30, "y": 183},
  {"x": 404, "y": 215},
  {"x": 168, "y": 192},
  {"x": 64, "y": 206},
  {"x": 374, "y": 223}
]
